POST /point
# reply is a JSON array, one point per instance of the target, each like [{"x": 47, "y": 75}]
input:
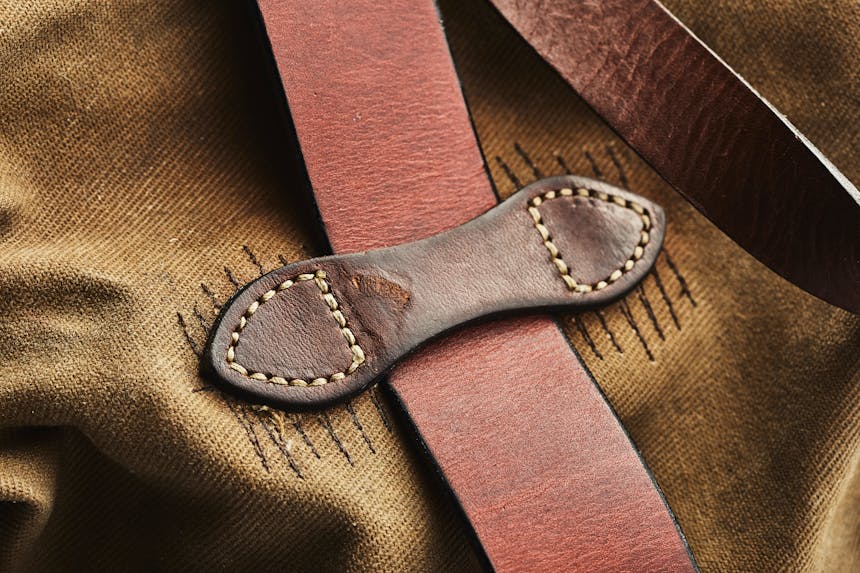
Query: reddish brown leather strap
[
  {"x": 539, "y": 463},
  {"x": 707, "y": 133}
]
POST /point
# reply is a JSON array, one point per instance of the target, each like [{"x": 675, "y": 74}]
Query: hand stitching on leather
[
  {"x": 319, "y": 278},
  {"x": 562, "y": 267}
]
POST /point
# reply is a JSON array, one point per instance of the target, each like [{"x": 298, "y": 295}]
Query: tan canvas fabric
[{"x": 142, "y": 179}]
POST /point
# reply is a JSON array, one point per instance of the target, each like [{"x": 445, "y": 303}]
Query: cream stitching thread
[
  {"x": 334, "y": 308},
  {"x": 562, "y": 267}
]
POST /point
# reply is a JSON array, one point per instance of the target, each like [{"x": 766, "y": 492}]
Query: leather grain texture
[
  {"x": 705, "y": 130},
  {"x": 376, "y": 83},
  {"x": 320, "y": 331},
  {"x": 345, "y": 92}
]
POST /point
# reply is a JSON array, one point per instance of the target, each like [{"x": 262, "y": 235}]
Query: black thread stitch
[
  {"x": 666, "y": 297},
  {"x": 622, "y": 175},
  {"x": 253, "y": 258},
  {"x": 279, "y": 443},
  {"x": 204, "y": 324},
  {"x": 214, "y": 299},
  {"x": 538, "y": 174},
  {"x": 195, "y": 348},
  {"x": 379, "y": 409},
  {"x": 594, "y": 168},
  {"x": 643, "y": 298},
  {"x": 510, "y": 174},
  {"x": 191, "y": 342},
  {"x": 611, "y": 334},
  {"x": 231, "y": 278},
  {"x": 685, "y": 290},
  {"x": 561, "y": 163},
  {"x": 305, "y": 438},
  {"x": 249, "y": 430},
  {"x": 580, "y": 325},
  {"x": 625, "y": 310},
  {"x": 325, "y": 422},
  {"x": 354, "y": 415}
]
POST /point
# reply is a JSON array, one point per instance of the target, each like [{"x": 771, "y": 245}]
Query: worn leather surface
[
  {"x": 391, "y": 156},
  {"x": 735, "y": 158},
  {"x": 535, "y": 455},
  {"x": 561, "y": 242}
]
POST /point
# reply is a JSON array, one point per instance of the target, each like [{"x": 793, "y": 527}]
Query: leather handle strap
[
  {"x": 540, "y": 465},
  {"x": 705, "y": 130}
]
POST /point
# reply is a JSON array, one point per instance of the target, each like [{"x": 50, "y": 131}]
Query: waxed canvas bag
[{"x": 151, "y": 167}]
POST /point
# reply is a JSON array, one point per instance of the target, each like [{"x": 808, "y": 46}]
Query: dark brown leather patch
[
  {"x": 604, "y": 231},
  {"x": 306, "y": 321},
  {"x": 321, "y": 330}
]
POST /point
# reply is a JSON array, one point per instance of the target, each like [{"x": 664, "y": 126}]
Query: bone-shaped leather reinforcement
[{"x": 319, "y": 331}]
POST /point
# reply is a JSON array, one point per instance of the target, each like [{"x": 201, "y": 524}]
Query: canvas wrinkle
[
  {"x": 142, "y": 179},
  {"x": 141, "y": 160}
]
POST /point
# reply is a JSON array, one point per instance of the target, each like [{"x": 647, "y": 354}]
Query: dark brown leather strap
[
  {"x": 535, "y": 456},
  {"x": 319, "y": 331},
  {"x": 707, "y": 133}
]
